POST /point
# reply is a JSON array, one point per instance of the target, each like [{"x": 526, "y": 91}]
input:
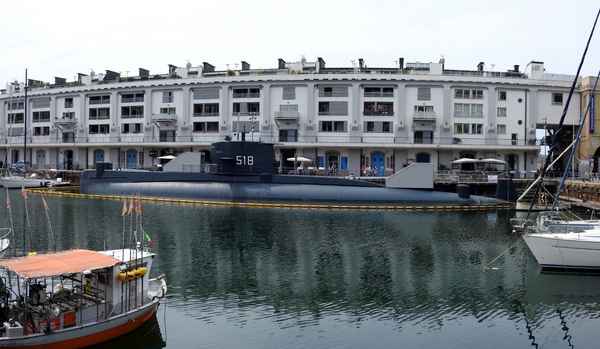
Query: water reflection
[{"x": 318, "y": 278}]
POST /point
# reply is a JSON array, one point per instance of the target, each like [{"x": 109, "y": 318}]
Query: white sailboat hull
[
  {"x": 19, "y": 182},
  {"x": 567, "y": 250}
]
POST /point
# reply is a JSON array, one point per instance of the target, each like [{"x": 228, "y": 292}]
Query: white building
[{"x": 342, "y": 117}]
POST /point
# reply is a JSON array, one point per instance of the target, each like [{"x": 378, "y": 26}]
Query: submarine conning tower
[{"x": 244, "y": 157}]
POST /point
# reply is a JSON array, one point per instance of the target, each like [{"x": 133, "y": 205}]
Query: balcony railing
[
  {"x": 379, "y": 94},
  {"x": 333, "y": 113},
  {"x": 333, "y": 94},
  {"x": 103, "y": 101},
  {"x": 247, "y": 95},
  {"x": 424, "y": 116},
  {"x": 136, "y": 116},
  {"x": 245, "y": 113},
  {"x": 132, "y": 100},
  {"x": 378, "y": 112},
  {"x": 207, "y": 114},
  {"x": 288, "y": 114}
]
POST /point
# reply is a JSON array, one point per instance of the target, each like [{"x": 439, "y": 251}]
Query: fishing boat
[
  {"x": 570, "y": 249},
  {"x": 76, "y": 298}
]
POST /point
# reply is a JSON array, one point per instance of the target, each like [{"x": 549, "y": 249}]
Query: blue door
[
  {"x": 378, "y": 161},
  {"x": 131, "y": 159},
  {"x": 423, "y": 157}
]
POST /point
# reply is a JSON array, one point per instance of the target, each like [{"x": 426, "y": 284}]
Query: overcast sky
[{"x": 63, "y": 38}]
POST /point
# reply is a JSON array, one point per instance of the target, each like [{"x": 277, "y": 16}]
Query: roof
[{"x": 58, "y": 263}]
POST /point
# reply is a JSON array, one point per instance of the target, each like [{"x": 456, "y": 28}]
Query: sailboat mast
[{"x": 25, "y": 130}]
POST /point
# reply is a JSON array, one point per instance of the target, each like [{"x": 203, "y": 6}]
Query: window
[
  {"x": 468, "y": 128},
  {"x": 208, "y": 109},
  {"x": 468, "y": 94},
  {"x": 100, "y": 99},
  {"x": 168, "y": 111},
  {"x": 460, "y": 93},
  {"x": 68, "y": 115},
  {"x": 99, "y": 113},
  {"x": 167, "y": 97},
  {"x": 387, "y": 126},
  {"x": 462, "y": 110},
  {"x": 98, "y": 129},
  {"x": 501, "y": 112},
  {"x": 135, "y": 128},
  {"x": 424, "y": 94},
  {"x": 557, "y": 99},
  {"x": 68, "y": 102},
  {"x": 370, "y": 126},
  {"x": 332, "y": 126},
  {"x": 246, "y": 93},
  {"x": 132, "y": 97},
  {"x": 337, "y": 91},
  {"x": 132, "y": 112},
  {"x": 501, "y": 95},
  {"x": 501, "y": 129},
  {"x": 289, "y": 93},
  {"x": 379, "y": 92},
  {"x": 41, "y": 116}
]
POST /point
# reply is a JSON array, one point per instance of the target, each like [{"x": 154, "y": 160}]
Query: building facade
[{"x": 343, "y": 118}]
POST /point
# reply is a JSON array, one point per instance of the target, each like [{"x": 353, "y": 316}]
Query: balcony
[
  {"x": 287, "y": 115},
  {"x": 378, "y": 112},
  {"x": 132, "y": 100},
  {"x": 172, "y": 118},
  {"x": 427, "y": 116}
]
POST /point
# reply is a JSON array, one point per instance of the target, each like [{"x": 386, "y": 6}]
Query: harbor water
[{"x": 305, "y": 278}]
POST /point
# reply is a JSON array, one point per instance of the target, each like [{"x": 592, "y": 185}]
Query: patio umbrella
[
  {"x": 494, "y": 161},
  {"x": 300, "y": 159},
  {"x": 465, "y": 161},
  {"x": 167, "y": 157}
]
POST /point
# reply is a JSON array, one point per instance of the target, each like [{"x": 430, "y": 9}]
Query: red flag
[
  {"x": 23, "y": 191},
  {"x": 138, "y": 206},
  {"x": 45, "y": 204},
  {"x": 124, "y": 207}
]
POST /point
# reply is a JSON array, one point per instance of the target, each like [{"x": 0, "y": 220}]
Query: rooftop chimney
[
  {"x": 480, "y": 66},
  {"x": 516, "y": 68},
  {"x": 280, "y": 64}
]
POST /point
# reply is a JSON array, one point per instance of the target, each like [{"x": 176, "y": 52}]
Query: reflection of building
[
  {"x": 347, "y": 117},
  {"x": 589, "y": 144}
]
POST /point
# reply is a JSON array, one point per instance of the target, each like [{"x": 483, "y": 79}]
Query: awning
[
  {"x": 465, "y": 161},
  {"x": 493, "y": 161},
  {"x": 74, "y": 261}
]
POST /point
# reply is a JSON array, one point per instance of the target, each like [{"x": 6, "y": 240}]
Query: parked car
[{"x": 20, "y": 164}]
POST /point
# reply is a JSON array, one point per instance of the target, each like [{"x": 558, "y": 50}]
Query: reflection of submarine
[{"x": 243, "y": 171}]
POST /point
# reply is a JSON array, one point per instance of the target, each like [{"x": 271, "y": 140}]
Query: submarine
[{"x": 248, "y": 172}]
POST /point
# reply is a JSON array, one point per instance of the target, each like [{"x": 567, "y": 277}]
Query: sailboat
[{"x": 570, "y": 249}]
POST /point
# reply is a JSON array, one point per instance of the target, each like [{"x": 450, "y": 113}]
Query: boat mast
[
  {"x": 25, "y": 129},
  {"x": 562, "y": 118}
]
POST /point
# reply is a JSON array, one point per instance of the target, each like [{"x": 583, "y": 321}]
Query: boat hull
[
  {"x": 18, "y": 183},
  {"x": 284, "y": 189},
  {"x": 87, "y": 335},
  {"x": 576, "y": 251}
]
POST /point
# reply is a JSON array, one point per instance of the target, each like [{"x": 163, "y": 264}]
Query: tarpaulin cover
[{"x": 53, "y": 264}]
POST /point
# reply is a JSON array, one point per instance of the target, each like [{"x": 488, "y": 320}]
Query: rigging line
[
  {"x": 582, "y": 122},
  {"x": 563, "y": 115},
  {"x": 501, "y": 254}
]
